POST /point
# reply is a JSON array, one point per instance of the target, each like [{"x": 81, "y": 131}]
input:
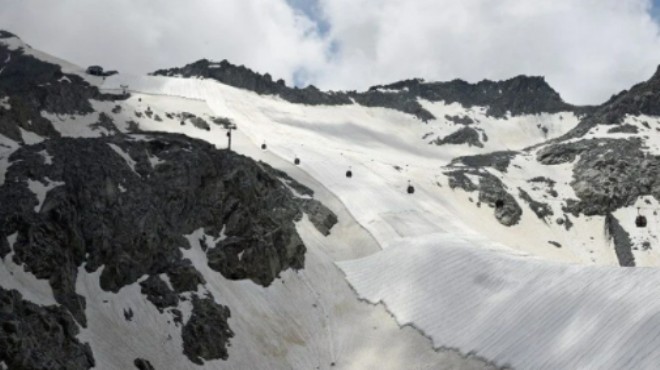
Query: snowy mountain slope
[
  {"x": 514, "y": 284},
  {"x": 425, "y": 233},
  {"x": 374, "y": 142},
  {"x": 116, "y": 315}
]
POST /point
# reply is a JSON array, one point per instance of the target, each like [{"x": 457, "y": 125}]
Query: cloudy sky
[{"x": 586, "y": 49}]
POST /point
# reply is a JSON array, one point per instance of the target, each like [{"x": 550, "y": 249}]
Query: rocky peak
[
  {"x": 230, "y": 74},
  {"x": 517, "y": 96},
  {"x": 642, "y": 98},
  {"x": 245, "y": 78},
  {"x": 6, "y": 35},
  {"x": 32, "y": 85}
]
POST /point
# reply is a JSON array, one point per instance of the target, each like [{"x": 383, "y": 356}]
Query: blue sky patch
[{"x": 312, "y": 9}]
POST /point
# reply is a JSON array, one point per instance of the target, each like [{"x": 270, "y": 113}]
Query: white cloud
[
  {"x": 141, "y": 36},
  {"x": 587, "y": 49}
]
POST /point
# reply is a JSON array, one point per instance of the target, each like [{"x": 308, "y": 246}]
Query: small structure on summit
[
  {"x": 98, "y": 71},
  {"x": 95, "y": 70}
]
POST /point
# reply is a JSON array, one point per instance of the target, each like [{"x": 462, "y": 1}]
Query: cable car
[
  {"x": 349, "y": 174},
  {"x": 411, "y": 189},
  {"x": 296, "y": 161},
  {"x": 263, "y": 146},
  {"x": 640, "y": 221}
]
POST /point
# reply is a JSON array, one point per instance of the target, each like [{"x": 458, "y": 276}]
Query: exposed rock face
[
  {"x": 320, "y": 216},
  {"x": 90, "y": 216},
  {"x": 611, "y": 173},
  {"x": 36, "y": 337},
  {"x": 643, "y": 98},
  {"x": 159, "y": 293},
  {"x": 565, "y": 152},
  {"x": 464, "y": 120},
  {"x": 491, "y": 192},
  {"x": 540, "y": 209},
  {"x": 498, "y": 160},
  {"x": 32, "y": 86},
  {"x": 624, "y": 129},
  {"x": 206, "y": 334},
  {"x": 519, "y": 95},
  {"x": 198, "y": 122},
  {"x": 124, "y": 203},
  {"x": 245, "y": 78},
  {"x": 465, "y": 135},
  {"x": 112, "y": 207},
  {"x": 621, "y": 239},
  {"x": 142, "y": 364}
]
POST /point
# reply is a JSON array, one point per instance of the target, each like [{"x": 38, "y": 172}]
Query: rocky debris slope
[
  {"x": 124, "y": 203},
  {"x": 30, "y": 86},
  {"x": 39, "y": 337},
  {"x": 498, "y": 160},
  {"x": 517, "y": 96},
  {"x": 491, "y": 191},
  {"x": 206, "y": 334},
  {"x": 609, "y": 174},
  {"x": 641, "y": 99},
  {"x": 621, "y": 239},
  {"x": 464, "y": 135}
]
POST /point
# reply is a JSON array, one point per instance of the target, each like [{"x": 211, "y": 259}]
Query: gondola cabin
[
  {"x": 296, "y": 161},
  {"x": 263, "y": 146},
  {"x": 349, "y": 174},
  {"x": 640, "y": 221},
  {"x": 411, "y": 189}
]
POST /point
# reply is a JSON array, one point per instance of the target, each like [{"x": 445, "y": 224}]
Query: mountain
[
  {"x": 483, "y": 226},
  {"x": 517, "y": 96}
]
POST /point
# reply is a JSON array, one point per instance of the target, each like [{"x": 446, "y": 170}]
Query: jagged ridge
[{"x": 517, "y": 96}]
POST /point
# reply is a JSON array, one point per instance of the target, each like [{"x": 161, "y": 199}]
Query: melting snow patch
[
  {"x": 4, "y": 165},
  {"x": 12, "y": 43},
  {"x": 129, "y": 161},
  {"x": 30, "y": 137},
  {"x": 64, "y": 79},
  {"x": 167, "y": 281},
  {"x": 48, "y": 159},
  {"x": 41, "y": 190},
  {"x": 4, "y": 103},
  {"x": 116, "y": 341},
  {"x": 154, "y": 160},
  {"x": 197, "y": 235},
  {"x": 13, "y": 276},
  {"x": 75, "y": 125}
]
